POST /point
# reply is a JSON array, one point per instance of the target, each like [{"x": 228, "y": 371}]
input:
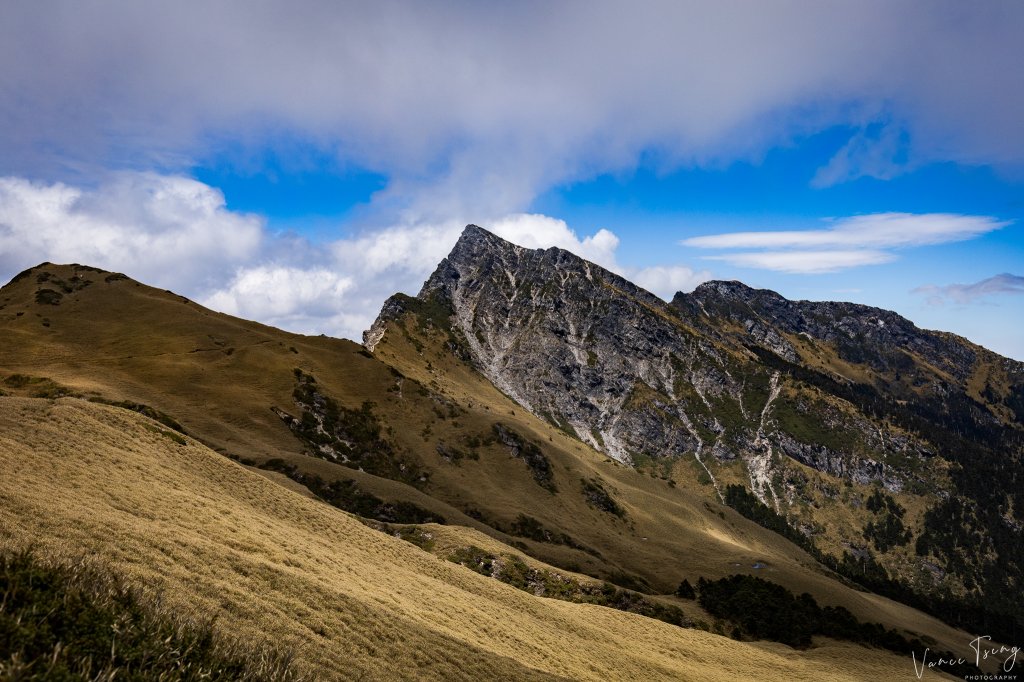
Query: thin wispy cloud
[
  {"x": 805, "y": 262},
  {"x": 847, "y": 243},
  {"x": 868, "y": 153},
  {"x": 1005, "y": 284},
  {"x": 879, "y": 230}
]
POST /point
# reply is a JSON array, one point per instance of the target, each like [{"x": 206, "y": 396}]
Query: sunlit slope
[
  {"x": 353, "y": 602},
  {"x": 216, "y": 374},
  {"x": 219, "y": 376}
]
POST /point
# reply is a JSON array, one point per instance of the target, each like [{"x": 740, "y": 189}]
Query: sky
[{"x": 298, "y": 162}]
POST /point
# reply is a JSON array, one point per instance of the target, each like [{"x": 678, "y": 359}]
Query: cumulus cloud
[
  {"x": 540, "y": 232},
  {"x": 176, "y": 233},
  {"x": 280, "y": 295},
  {"x": 666, "y": 280},
  {"x": 473, "y": 109},
  {"x": 422, "y": 245},
  {"x": 967, "y": 293},
  {"x": 381, "y": 262},
  {"x": 400, "y": 258},
  {"x": 849, "y": 242},
  {"x": 167, "y": 230}
]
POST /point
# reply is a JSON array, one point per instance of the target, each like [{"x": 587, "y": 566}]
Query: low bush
[
  {"x": 600, "y": 499},
  {"x": 346, "y": 495}
]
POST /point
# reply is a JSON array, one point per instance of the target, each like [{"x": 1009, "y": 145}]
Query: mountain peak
[
  {"x": 474, "y": 234},
  {"x": 724, "y": 286},
  {"x": 476, "y": 243},
  {"x": 729, "y": 289},
  {"x": 472, "y": 231}
]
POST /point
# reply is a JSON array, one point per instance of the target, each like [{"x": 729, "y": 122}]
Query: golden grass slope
[
  {"x": 355, "y": 603},
  {"x": 219, "y": 375}
]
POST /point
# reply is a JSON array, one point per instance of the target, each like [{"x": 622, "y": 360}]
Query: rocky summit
[{"x": 784, "y": 407}]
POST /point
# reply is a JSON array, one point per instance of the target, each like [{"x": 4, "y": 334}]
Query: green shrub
[
  {"x": 152, "y": 413},
  {"x": 412, "y": 534},
  {"x": 349, "y": 437},
  {"x": 764, "y": 610},
  {"x": 535, "y": 459},
  {"x": 685, "y": 590},
  {"x": 170, "y": 435},
  {"x": 38, "y": 387},
  {"x": 599, "y": 498},
  {"x": 48, "y": 297},
  {"x": 346, "y": 495}
]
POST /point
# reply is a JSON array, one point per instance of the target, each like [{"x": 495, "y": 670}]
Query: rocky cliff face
[
  {"x": 638, "y": 378},
  {"x": 583, "y": 348},
  {"x": 748, "y": 385}
]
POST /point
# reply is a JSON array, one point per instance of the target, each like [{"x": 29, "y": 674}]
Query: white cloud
[
  {"x": 422, "y": 245},
  {"x": 381, "y": 262},
  {"x": 805, "y": 262},
  {"x": 878, "y": 230},
  {"x": 667, "y": 280},
  {"x": 281, "y": 295},
  {"x": 396, "y": 248},
  {"x": 540, "y": 232},
  {"x": 400, "y": 258},
  {"x": 166, "y": 230},
  {"x": 850, "y": 242},
  {"x": 176, "y": 233},
  {"x": 967, "y": 293}
]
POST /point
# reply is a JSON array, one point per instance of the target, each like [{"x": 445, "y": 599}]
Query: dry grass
[
  {"x": 354, "y": 603},
  {"x": 126, "y": 341}
]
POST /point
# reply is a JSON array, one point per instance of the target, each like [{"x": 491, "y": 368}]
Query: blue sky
[{"x": 297, "y": 164}]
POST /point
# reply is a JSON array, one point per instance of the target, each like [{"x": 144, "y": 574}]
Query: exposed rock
[
  {"x": 631, "y": 374},
  {"x": 881, "y": 339},
  {"x": 575, "y": 344},
  {"x": 733, "y": 376}
]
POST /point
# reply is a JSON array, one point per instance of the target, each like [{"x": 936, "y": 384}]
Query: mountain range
[{"x": 730, "y": 484}]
